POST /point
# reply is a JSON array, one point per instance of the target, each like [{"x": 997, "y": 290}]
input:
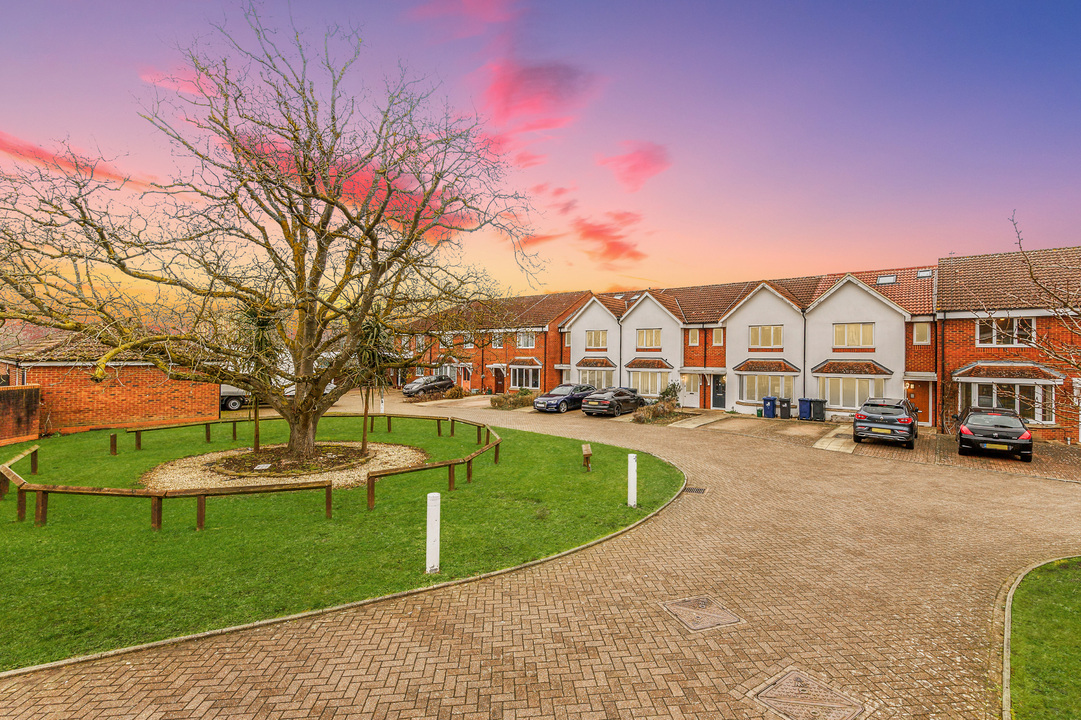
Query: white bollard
[
  {"x": 432, "y": 559},
  {"x": 632, "y": 480},
  {"x": 382, "y": 402}
]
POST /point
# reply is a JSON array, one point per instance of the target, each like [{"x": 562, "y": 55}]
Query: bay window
[
  {"x": 648, "y": 383},
  {"x": 525, "y": 377},
  {"x": 753, "y": 388},
  {"x": 1034, "y": 402},
  {"x": 597, "y": 378},
  {"x": 849, "y": 392}
]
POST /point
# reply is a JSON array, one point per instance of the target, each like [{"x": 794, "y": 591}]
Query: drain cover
[
  {"x": 697, "y": 491},
  {"x": 700, "y": 613},
  {"x": 797, "y": 696}
]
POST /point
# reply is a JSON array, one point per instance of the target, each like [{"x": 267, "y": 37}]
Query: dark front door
[
  {"x": 498, "y": 377},
  {"x": 718, "y": 392}
]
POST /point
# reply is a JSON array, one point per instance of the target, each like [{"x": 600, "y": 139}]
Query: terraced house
[{"x": 963, "y": 331}]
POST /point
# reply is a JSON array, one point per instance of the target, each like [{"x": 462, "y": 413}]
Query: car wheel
[
  {"x": 961, "y": 449},
  {"x": 617, "y": 411},
  {"x": 563, "y": 406},
  {"x": 910, "y": 444},
  {"x": 233, "y": 403},
  {"x": 856, "y": 438},
  {"x": 1026, "y": 457}
]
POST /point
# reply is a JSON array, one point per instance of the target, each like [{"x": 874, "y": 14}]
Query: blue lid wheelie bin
[
  {"x": 805, "y": 408},
  {"x": 769, "y": 406}
]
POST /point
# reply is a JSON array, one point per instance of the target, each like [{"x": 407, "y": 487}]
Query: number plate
[
  {"x": 995, "y": 446},
  {"x": 884, "y": 431},
  {"x": 592, "y": 402}
]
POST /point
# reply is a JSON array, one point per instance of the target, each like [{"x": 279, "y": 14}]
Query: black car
[
  {"x": 562, "y": 398},
  {"x": 612, "y": 401},
  {"x": 998, "y": 430},
  {"x": 427, "y": 384},
  {"x": 887, "y": 419}
]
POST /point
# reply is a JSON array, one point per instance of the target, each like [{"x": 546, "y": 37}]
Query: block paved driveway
[{"x": 880, "y": 579}]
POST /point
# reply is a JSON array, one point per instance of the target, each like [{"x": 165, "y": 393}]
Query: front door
[
  {"x": 497, "y": 376},
  {"x": 718, "y": 392},
  {"x": 918, "y": 393}
]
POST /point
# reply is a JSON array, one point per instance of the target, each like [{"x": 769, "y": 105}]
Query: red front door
[
  {"x": 498, "y": 377},
  {"x": 918, "y": 393}
]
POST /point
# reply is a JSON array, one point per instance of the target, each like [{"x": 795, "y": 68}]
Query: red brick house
[
  {"x": 995, "y": 327},
  {"x": 134, "y": 393}
]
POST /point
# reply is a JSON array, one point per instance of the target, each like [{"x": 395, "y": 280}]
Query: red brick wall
[
  {"x": 130, "y": 395},
  {"x": 705, "y": 354},
  {"x": 18, "y": 413},
  {"x": 959, "y": 349},
  {"x": 920, "y": 358}
]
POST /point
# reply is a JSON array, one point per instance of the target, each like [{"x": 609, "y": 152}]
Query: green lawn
[
  {"x": 1045, "y": 658},
  {"x": 97, "y": 577}
]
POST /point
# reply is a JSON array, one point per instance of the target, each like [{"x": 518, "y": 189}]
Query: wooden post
[
  {"x": 41, "y": 507},
  {"x": 371, "y": 493},
  {"x": 3, "y": 486},
  {"x": 200, "y": 511},
  {"x": 469, "y": 471},
  {"x": 452, "y": 427},
  {"x": 112, "y": 444},
  {"x": 372, "y": 426},
  {"x": 208, "y": 432},
  {"x": 155, "y": 513},
  {"x": 255, "y": 436},
  {"x": 329, "y": 497},
  {"x": 138, "y": 439},
  {"x": 496, "y": 454},
  {"x": 450, "y": 477},
  {"x": 20, "y": 504},
  {"x": 34, "y": 463},
  {"x": 439, "y": 427},
  {"x": 234, "y": 430},
  {"x": 487, "y": 436},
  {"x": 388, "y": 423},
  {"x": 478, "y": 434}
]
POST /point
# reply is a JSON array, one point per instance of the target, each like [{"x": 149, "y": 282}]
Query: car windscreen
[
  {"x": 561, "y": 390},
  {"x": 1006, "y": 422}
]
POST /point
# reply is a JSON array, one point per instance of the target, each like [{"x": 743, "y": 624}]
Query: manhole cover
[
  {"x": 798, "y": 696},
  {"x": 700, "y": 613},
  {"x": 696, "y": 491}
]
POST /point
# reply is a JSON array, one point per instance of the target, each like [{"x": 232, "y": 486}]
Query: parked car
[
  {"x": 998, "y": 430},
  {"x": 612, "y": 401},
  {"x": 887, "y": 419},
  {"x": 564, "y": 397},
  {"x": 427, "y": 384},
  {"x": 232, "y": 398}
]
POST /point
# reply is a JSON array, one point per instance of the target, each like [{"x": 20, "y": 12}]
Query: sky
[{"x": 663, "y": 144}]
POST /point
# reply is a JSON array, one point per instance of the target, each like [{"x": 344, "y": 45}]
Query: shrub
[
  {"x": 657, "y": 411},
  {"x": 522, "y": 398},
  {"x": 670, "y": 393},
  {"x": 455, "y": 393}
]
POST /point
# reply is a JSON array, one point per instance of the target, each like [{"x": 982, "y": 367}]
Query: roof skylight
[
  {"x": 886, "y": 280},
  {"x": 925, "y": 273}
]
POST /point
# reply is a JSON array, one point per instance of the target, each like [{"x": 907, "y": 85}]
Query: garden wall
[{"x": 19, "y": 413}]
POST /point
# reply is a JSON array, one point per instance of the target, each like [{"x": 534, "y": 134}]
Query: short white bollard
[
  {"x": 632, "y": 480},
  {"x": 382, "y": 402},
  {"x": 432, "y": 558}
]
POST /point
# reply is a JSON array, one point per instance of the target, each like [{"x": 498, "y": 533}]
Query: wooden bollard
[
  {"x": 371, "y": 493},
  {"x": 20, "y": 504},
  {"x": 478, "y": 434},
  {"x": 439, "y": 427},
  {"x": 371, "y": 426},
  {"x": 4, "y": 484},
  {"x": 208, "y": 432},
  {"x": 496, "y": 454},
  {"x": 329, "y": 497},
  {"x": 138, "y": 439},
  {"x": 34, "y": 463},
  {"x": 388, "y": 423},
  {"x": 469, "y": 471},
  {"x": 41, "y": 508},
  {"x": 200, "y": 511},
  {"x": 452, "y": 427},
  {"x": 234, "y": 430},
  {"x": 112, "y": 444},
  {"x": 450, "y": 477},
  {"x": 155, "y": 513},
  {"x": 487, "y": 436}
]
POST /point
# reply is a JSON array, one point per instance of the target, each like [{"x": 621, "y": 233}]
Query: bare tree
[{"x": 317, "y": 210}]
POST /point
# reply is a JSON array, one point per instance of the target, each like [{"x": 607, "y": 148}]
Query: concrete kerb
[
  {"x": 1007, "y": 711},
  {"x": 338, "y": 608}
]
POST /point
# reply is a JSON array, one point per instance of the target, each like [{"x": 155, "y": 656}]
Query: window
[
  {"x": 718, "y": 336},
  {"x": 521, "y": 377},
  {"x": 527, "y": 340},
  {"x": 766, "y": 336},
  {"x": 566, "y": 339},
  {"x": 755, "y": 387},
  {"x": 596, "y": 339},
  {"x": 921, "y": 333},
  {"x": 497, "y": 340},
  {"x": 689, "y": 382},
  {"x": 925, "y": 273},
  {"x": 467, "y": 374},
  {"x": 1035, "y": 403},
  {"x": 468, "y": 344},
  {"x": 596, "y": 378},
  {"x": 886, "y": 280},
  {"x": 650, "y": 338},
  {"x": 648, "y": 383},
  {"x": 692, "y": 337},
  {"x": 853, "y": 335},
  {"x": 1004, "y": 331},
  {"x": 850, "y": 392}
]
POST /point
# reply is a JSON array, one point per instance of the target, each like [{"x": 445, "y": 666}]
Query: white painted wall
[
  {"x": 593, "y": 317},
  {"x": 649, "y": 314},
  {"x": 763, "y": 308}
]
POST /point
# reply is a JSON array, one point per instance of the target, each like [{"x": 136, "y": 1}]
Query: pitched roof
[
  {"x": 525, "y": 361},
  {"x": 595, "y": 362},
  {"x": 1007, "y": 370},
  {"x": 1002, "y": 281},
  {"x": 648, "y": 364},
  {"x": 63, "y": 347},
  {"x": 766, "y": 366},
  {"x": 850, "y": 367}
]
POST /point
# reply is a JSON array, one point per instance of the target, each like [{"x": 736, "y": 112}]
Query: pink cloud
[
  {"x": 518, "y": 91},
  {"x": 525, "y": 159},
  {"x": 467, "y": 18},
  {"x": 642, "y": 161},
  {"x": 606, "y": 241},
  {"x": 533, "y": 240},
  {"x": 69, "y": 161},
  {"x": 181, "y": 79}
]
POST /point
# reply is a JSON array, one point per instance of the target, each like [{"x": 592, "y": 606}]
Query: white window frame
[
  {"x": 925, "y": 325},
  {"x": 530, "y": 374},
  {"x": 1043, "y": 410},
  {"x": 1010, "y": 335},
  {"x": 526, "y": 340},
  {"x": 497, "y": 341},
  {"x": 756, "y": 333},
  {"x": 692, "y": 337},
  {"x": 597, "y": 377},
  {"x": 783, "y": 381},
  {"x": 467, "y": 342},
  {"x": 597, "y": 335},
  {"x": 691, "y": 382},
  {"x": 566, "y": 339},
  {"x": 649, "y": 334},
  {"x": 849, "y": 386},
  {"x": 649, "y": 383},
  {"x": 847, "y": 328},
  {"x": 718, "y": 337}
]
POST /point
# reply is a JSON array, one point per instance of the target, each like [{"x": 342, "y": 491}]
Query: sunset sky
[{"x": 664, "y": 143}]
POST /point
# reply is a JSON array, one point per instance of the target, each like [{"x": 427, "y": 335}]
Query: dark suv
[
  {"x": 887, "y": 419},
  {"x": 993, "y": 429},
  {"x": 427, "y": 384}
]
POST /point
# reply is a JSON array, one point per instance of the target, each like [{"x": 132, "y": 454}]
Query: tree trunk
[{"x": 302, "y": 436}]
